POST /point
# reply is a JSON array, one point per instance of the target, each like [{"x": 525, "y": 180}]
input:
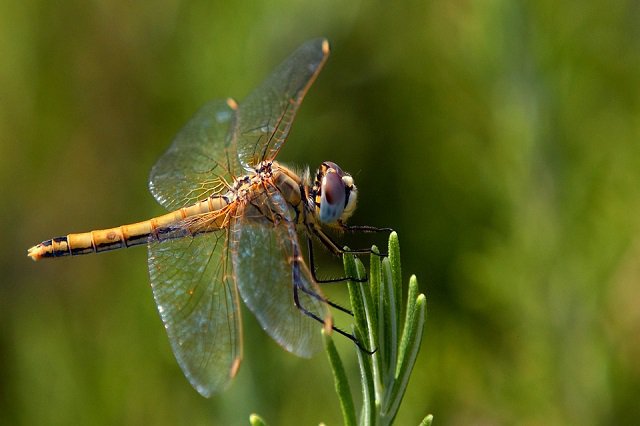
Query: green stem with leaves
[{"x": 395, "y": 338}]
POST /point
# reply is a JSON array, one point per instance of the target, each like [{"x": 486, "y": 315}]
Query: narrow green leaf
[
  {"x": 365, "y": 361},
  {"x": 256, "y": 420},
  {"x": 412, "y": 300},
  {"x": 390, "y": 335},
  {"x": 410, "y": 345},
  {"x": 375, "y": 326},
  {"x": 354, "y": 268},
  {"x": 370, "y": 306},
  {"x": 366, "y": 336},
  {"x": 374, "y": 283},
  {"x": 340, "y": 381},
  {"x": 396, "y": 269}
]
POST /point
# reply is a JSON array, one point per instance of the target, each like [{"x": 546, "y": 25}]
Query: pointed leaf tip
[
  {"x": 256, "y": 420},
  {"x": 427, "y": 420}
]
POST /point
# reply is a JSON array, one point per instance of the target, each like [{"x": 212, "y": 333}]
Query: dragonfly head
[{"x": 336, "y": 192}]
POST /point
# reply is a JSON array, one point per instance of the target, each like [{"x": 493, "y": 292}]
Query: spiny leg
[
  {"x": 325, "y": 300},
  {"x": 296, "y": 300},
  {"x": 312, "y": 266},
  {"x": 297, "y": 283},
  {"x": 333, "y": 247},
  {"x": 363, "y": 228}
]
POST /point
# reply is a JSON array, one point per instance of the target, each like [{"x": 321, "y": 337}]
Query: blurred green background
[{"x": 501, "y": 139}]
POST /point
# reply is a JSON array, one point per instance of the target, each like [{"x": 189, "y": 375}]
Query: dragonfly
[{"x": 232, "y": 232}]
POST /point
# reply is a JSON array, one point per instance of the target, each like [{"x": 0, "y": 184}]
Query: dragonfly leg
[
  {"x": 333, "y": 247},
  {"x": 362, "y": 228},
  {"x": 296, "y": 299},
  {"x": 312, "y": 266},
  {"x": 364, "y": 251},
  {"x": 297, "y": 284},
  {"x": 325, "y": 300}
]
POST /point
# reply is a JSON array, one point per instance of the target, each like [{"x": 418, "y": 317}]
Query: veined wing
[
  {"x": 267, "y": 265},
  {"x": 264, "y": 118},
  {"x": 198, "y": 159},
  {"x": 199, "y": 306}
]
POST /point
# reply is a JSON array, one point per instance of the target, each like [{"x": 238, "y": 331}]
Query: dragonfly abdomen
[
  {"x": 126, "y": 235},
  {"x": 92, "y": 242}
]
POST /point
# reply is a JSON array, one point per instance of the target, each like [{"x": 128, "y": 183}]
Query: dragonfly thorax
[{"x": 335, "y": 194}]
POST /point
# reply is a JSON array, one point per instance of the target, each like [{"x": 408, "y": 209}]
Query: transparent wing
[
  {"x": 267, "y": 266},
  {"x": 198, "y": 159},
  {"x": 264, "y": 118},
  {"x": 199, "y": 307}
]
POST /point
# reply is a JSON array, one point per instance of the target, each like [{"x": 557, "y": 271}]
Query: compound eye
[
  {"x": 334, "y": 166},
  {"x": 333, "y": 198}
]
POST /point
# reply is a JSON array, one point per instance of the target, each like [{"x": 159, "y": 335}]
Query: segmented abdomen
[{"x": 159, "y": 228}]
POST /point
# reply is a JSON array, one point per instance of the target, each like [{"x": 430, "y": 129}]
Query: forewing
[
  {"x": 267, "y": 264},
  {"x": 198, "y": 160},
  {"x": 199, "y": 307},
  {"x": 264, "y": 118}
]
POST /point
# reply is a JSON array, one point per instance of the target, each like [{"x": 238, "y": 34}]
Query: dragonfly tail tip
[{"x": 35, "y": 252}]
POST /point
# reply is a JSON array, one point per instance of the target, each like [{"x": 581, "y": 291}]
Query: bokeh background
[{"x": 501, "y": 139}]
